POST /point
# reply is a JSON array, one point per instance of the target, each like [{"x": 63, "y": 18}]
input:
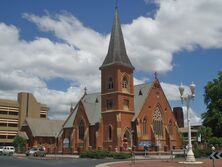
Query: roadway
[{"x": 14, "y": 161}]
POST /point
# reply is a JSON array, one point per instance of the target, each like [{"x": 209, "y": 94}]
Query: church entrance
[{"x": 127, "y": 140}]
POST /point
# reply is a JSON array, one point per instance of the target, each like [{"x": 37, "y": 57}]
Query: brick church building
[{"x": 122, "y": 114}]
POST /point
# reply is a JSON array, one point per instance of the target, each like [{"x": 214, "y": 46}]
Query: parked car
[
  {"x": 1, "y": 150},
  {"x": 7, "y": 150},
  {"x": 36, "y": 152}
]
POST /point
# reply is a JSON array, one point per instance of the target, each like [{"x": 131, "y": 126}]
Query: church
[{"x": 122, "y": 115}]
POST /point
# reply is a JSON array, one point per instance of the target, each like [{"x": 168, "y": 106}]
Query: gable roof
[
  {"x": 44, "y": 127},
  {"x": 140, "y": 93},
  {"x": 117, "y": 50},
  {"x": 92, "y": 105},
  {"x": 69, "y": 121}
]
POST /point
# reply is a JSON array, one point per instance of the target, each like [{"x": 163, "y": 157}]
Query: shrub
[
  {"x": 94, "y": 154},
  {"x": 198, "y": 152},
  {"x": 214, "y": 140},
  {"x": 121, "y": 155},
  {"x": 103, "y": 154},
  {"x": 19, "y": 143}
]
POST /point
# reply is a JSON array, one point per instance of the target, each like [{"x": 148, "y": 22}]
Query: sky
[{"x": 54, "y": 49}]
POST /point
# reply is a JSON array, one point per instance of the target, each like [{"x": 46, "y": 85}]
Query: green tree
[
  {"x": 205, "y": 132},
  {"x": 19, "y": 142},
  {"x": 213, "y": 99}
]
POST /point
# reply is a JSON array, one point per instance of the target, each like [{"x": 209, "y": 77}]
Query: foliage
[
  {"x": 198, "y": 152},
  {"x": 121, "y": 155},
  {"x": 205, "y": 132},
  {"x": 94, "y": 154},
  {"x": 19, "y": 142},
  {"x": 213, "y": 99},
  {"x": 215, "y": 141},
  {"x": 103, "y": 154}
]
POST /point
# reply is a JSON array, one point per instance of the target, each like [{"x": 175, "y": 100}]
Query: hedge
[{"x": 104, "y": 154}]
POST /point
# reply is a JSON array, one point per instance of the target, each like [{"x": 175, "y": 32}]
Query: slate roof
[
  {"x": 92, "y": 105},
  {"x": 140, "y": 94},
  {"x": 117, "y": 51},
  {"x": 69, "y": 121},
  {"x": 44, "y": 127},
  {"x": 23, "y": 135}
]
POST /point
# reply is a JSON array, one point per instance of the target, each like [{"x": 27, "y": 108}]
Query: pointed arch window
[
  {"x": 109, "y": 104},
  {"x": 81, "y": 130},
  {"x": 110, "y": 132},
  {"x": 110, "y": 83},
  {"x": 145, "y": 126},
  {"x": 158, "y": 122},
  {"x": 126, "y": 104},
  {"x": 125, "y": 82},
  {"x": 170, "y": 128}
]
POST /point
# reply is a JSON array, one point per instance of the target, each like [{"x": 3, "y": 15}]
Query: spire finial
[
  {"x": 156, "y": 75},
  {"x": 85, "y": 90},
  {"x": 116, "y": 5}
]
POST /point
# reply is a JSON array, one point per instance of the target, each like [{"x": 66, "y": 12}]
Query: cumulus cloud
[
  {"x": 172, "y": 93},
  {"x": 194, "y": 118},
  {"x": 150, "y": 42}
]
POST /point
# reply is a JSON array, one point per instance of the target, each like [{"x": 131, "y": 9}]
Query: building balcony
[
  {"x": 6, "y": 128},
  {"x": 6, "y": 140},
  {"x": 6, "y": 116}
]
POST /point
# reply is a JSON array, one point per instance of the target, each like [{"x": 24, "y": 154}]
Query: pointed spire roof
[{"x": 117, "y": 51}]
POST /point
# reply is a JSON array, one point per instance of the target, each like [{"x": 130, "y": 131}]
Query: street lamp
[
  {"x": 187, "y": 98},
  {"x": 132, "y": 146}
]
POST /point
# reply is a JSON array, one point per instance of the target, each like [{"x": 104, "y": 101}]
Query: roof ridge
[{"x": 147, "y": 83}]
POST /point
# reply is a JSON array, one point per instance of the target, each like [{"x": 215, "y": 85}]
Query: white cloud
[
  {"x": 59, "y": 101},
  {"x": 172, "y": 93},
  {"x": 194, "y": 118},
  {"x": 150, "y": 42}
]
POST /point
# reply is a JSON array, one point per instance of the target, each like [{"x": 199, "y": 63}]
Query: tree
[
  {"x": 19, "y": 142},
  {"x": 213, "y": 99},
  {"x": 205, "y": 132}
]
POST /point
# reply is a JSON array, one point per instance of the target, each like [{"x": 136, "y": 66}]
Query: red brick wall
[
  {"x": 156, "y": 97},
  {"x": 119, "y": 117}
]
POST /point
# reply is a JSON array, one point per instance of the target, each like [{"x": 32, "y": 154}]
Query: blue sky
[{"x": 57, "y": 46}]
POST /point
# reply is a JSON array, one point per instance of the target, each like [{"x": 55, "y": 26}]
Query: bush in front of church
[
  {"x": 94, "y": 154},
  {"x": 121, "y": 155},
  {"x": 98, "y": 154}
]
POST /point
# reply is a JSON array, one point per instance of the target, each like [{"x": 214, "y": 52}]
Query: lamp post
[
  {"x": 132, "y": 147},
  {"x": 187, "y": 98}
]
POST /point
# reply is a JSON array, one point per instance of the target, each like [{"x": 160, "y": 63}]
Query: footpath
[
  {"x": 48, "y": 156},
  {"x": 161, "y": 163}
]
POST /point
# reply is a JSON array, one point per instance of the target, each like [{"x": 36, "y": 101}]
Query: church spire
[{"x": 117, "y": 51}]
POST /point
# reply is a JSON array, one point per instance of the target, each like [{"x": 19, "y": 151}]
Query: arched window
[
  {"x": 125, "y": 82},
  {"x": 170, "y": 128},
  {"x": 109, "y": 104},
  {"x": 81, "y": 130},
  {"x": 144, "y": 126},
  {"x": 126, "y": 104},
  {"x": 127, "y": 137},
  {"x": 158, "y": 122},
  {"x": 110, "y": 83},
  {"x": 110, "y": 130}
]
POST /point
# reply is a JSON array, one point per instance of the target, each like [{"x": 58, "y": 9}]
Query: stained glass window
[
  {"x": 81, "y": 130},
  {"x": 158, "y": 122}
]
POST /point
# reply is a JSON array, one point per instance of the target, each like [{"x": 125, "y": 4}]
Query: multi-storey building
[{"x": 14, "y": 112}]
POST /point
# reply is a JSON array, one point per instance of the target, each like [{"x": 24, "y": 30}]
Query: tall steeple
[
  {"x": 117, "y": 51},
  {"x": 117, "y": 91}
]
